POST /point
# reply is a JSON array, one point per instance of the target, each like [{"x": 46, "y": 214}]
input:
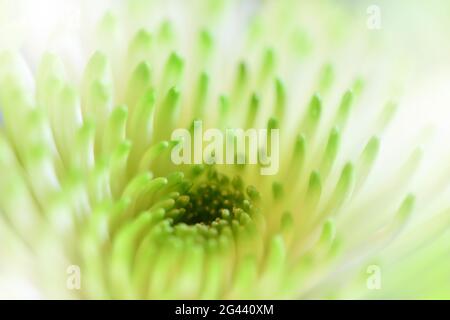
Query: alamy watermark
[
  {"x": 73, "y": 281},
  {"x": 229, "y": 146},
  {"x": 374, "y": 279},
  {"x": 373, "y": 17}
]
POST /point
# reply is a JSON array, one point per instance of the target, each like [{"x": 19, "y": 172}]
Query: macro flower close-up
[{"x": 224, "y": 149}]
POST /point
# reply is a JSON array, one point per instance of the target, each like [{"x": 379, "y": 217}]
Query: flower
[{"x": 88, "y": 184}]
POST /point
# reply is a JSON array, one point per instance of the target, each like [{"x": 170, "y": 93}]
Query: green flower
[{"x": 88, "y": 184}]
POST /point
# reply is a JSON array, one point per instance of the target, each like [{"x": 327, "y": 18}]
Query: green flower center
[
  {"x": 214, "y": 201},
  {"x": 215, "y": 205},
  {"x": 210, "y": 202}
]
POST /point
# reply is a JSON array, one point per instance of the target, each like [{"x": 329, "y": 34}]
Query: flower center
[{"x": 216, "y": 200}]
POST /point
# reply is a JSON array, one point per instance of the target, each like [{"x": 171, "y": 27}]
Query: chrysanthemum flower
[{"x": 88, "y": 185}]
